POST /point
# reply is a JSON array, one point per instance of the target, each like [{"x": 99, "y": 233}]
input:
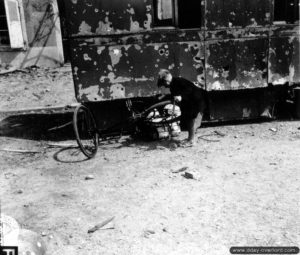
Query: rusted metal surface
[
  {"x": 237, "y": 13},
  {"x": 243, "y": 64},
  {"x": 236, "y": 59},
  {"x": 284, "y": 64},
  {"x": 88, "y": 17},
  {"x": 117, "y": 51},
  {"x": 112, "y": 68}
]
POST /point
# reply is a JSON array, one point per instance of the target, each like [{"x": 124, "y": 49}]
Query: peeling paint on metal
[
  {"x": 104, "y": 26},
  {"x": 235, "y": 50},
  {"x": 115, "y": 55},
  {"x": 148, "y": 22},
  {"x": 86, "y": 57},
  {"x": 91, "y": 93},
  {"x": 117, "y": 91},
  {"x": 84, "y": 29}
]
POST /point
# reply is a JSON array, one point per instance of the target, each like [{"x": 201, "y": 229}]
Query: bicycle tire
[
  {"x": 85, "y": 130},
  {"x": 160, "y": 105},
  {"x": 156, "y": 105}
]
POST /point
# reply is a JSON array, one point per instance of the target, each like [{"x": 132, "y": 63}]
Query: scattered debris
[
  {"x": 12, "y": 70},
  {"x": 19, "y": 151},
  {"x": 148, "y": 232},
  {"x": 62, "y": 145},
  {"x": 188, "y": 175},
  {"x": 9, "y": 174},
  {"x": 188, "y": 144},
  {"x": 273, "y": 129},
  {"x": 208, "y": 140},
  {"x": 180, "y": 170},
  {"x": 37, "y": 96},
  {"x": 44, "y": 234},
  {"x": 89, "y": 177},
  {"x": 173, "y": 146},
  {"x": 99, "y": 226},
  {"x": 219, "y": 133},
  {"x": 191, "y": 175}
]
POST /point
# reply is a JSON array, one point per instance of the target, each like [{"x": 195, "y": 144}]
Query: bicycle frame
[{"x": 93, "y": 135}]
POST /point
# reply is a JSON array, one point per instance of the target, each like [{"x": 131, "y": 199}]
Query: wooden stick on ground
[
  {"x": 62, "y": 145},
  {"x": 99, "y": 226},
  {"x": 19, "y": 151},
  {"x": 59, "y": 127}
]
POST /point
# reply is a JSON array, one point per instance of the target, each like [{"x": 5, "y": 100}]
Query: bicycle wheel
[
  {"x": 85, "y": 131},
  {"x": 161, "y": 106}
]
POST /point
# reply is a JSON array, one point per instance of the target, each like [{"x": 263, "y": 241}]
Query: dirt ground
[
  {"x": 244, "y": 189},
  {"x": 36, "y": 87}
]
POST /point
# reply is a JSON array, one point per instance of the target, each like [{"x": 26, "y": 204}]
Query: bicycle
[{"x": 88, "y": 136}]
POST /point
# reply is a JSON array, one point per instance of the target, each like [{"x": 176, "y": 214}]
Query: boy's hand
[{"x": 177, "y": 99}]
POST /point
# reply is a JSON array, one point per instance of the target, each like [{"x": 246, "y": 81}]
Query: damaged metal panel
[
  {"x": 92, "y": 17},
  {"x": 283, "y": 63},
  {"x": 236, "y": 64},
  {"x": 236, "y": 44},
  {"x": 117, "y": 51},
  {"x": 120, "y": 71},
  {"x": 237, "y": 13},
  {"x": 257, "y": 13},
  {"x": 190, "y": 61},
  {"x": 157, "y": 36},
  {"x": 235, "y": 33},
  {"x": 113, "y": 71}
]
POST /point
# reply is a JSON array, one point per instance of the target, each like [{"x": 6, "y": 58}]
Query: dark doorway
[
  {"x": 189, "y": 13},
  {"x": 286, "y": 10}
]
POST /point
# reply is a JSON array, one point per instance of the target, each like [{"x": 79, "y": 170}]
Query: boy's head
[{"x": 164, "y": 78}]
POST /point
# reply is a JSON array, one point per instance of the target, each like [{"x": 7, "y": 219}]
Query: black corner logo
[{"x": 8, "y": 250}]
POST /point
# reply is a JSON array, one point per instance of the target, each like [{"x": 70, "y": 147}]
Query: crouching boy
[{"x": 192, "y": 98}]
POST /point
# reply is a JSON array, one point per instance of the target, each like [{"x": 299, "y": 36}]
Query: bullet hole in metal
[{"x": 161, "y": 52}]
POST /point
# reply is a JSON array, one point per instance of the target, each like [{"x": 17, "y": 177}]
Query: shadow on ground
[
  {"x": 58, "y": 126},
  {"x": 53, "y": 127}
]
